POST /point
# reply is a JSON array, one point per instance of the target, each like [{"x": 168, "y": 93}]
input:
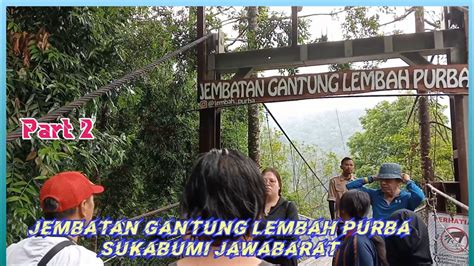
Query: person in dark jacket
[
  {"x": 278, "y": 208},
  {"x": 358, "y": 249},
  {"x": 413, "y": 249}
]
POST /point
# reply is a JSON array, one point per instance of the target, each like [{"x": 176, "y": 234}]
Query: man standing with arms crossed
[{"x": 337, "y": 186}]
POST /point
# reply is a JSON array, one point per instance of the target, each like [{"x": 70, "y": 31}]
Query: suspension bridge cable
[
  {"x": 294, "y": 147},
  {"x": 435, "y": 136},
  {"x": 293, "y": 162},
  {"x": 107, "y": 88},
  {"x": 340, "y": 131},
  {"x": 412, "y": 109},
  {"x": 270, "y": 141},
  {"x": 412, "y": 140}
]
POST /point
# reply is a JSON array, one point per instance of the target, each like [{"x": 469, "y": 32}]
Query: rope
[
  {"x": 412, "y": 109},
  {"x": 270, "y": 141},
  {"x": 168, "y": 207},
  {"x": 107, "y": 88},
  {"x": 435, "y": 136},
  {"x": 435, "y": 255},
  {"x": 340, "y": 131},
  {"x": 412, "y": 141},
  {"x": 458, "y": 203},
  {"x": 294, "y": 147},
  {"x": 435, "y": 131},
  {"x": 293, "y": 164}
]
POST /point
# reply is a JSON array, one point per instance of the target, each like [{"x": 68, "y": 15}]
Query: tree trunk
[
  {"x": 424, "y": 115},
  {"x": 253, "y": 110}
]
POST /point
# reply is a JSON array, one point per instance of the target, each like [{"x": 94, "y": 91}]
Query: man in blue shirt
[
  {"x": 358, "y": 249},
  {"x": 390, "y": 197}
]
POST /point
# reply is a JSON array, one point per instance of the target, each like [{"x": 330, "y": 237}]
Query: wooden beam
[
  {"x": 209, "y": 119},
  {"x": 375, "y": 48}
]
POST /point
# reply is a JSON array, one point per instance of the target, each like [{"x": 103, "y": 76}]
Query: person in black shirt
[
  {"x": 278, "y": 208},
  {"x": 413, "y": 249}
]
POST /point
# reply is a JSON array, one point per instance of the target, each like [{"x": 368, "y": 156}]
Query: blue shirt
[
  {"x": 356, "y": 250},
  {"x": 408, "y": 199}
]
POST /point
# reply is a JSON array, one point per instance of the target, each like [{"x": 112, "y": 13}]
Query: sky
[{"x": 331, "y": 26}]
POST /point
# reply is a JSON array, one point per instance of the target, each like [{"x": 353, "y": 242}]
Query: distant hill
[{"x": 322, "y": 129}]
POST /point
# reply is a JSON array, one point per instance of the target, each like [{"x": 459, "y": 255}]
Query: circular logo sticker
[{"x": 456, "y": 241}]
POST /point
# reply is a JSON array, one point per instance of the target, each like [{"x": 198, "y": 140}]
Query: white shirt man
[{"x": 65, "y": 196}]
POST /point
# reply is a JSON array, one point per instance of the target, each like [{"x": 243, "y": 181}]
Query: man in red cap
[{"x": 65, "y": 196}]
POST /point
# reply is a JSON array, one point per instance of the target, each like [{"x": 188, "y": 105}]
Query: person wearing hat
[
  {"x": 65, "y": 196},
  {"x": 390, "y": 197}
]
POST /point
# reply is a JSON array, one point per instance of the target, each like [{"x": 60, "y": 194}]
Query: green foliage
[
  {"x": 146, "y": 132},
  {"x": 155, "y": 115},
  {"x": 234, "y": 128},
  {"x": 54, "y": 56},
  {"x": 146, "y": 136},
  {"x": 299, "y": 183},
  {"x": 273, "y": 30},
  {"x": 359, "y": 24},
  {"x": 388, "y": 138}
]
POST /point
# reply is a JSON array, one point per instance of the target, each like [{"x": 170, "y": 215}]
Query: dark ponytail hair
[
  {"x": 224, "y": 184},
  {"x": 50, "y": 206},
  {"x": 356, "y": 204}
]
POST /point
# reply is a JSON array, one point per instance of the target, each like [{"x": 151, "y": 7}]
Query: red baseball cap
[{"x": 69, "y": 189}]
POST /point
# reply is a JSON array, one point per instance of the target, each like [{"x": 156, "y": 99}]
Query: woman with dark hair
[
  {"x": 413, "y": 249},
  {"x": 278, "y": 208},
  {"x": 358, "y": 249},
  {"x": 226, "y": 185}
]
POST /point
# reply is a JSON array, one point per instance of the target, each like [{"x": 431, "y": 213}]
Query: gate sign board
[
  {"x": 451, "y": 246},
  {"x": 450, "y": 79}
]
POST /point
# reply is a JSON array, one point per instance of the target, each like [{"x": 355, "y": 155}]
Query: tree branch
[
  {"x": 436, "y": 26},
  {"x": 230, "y": 21},
  {"x": 437, "y": 130},
  {"x": 440, "y": 124},
  {"x": 408, "y": 12},
  {"x": 439, "y": 118},
  {"x": 274, "y": 18},
  {"x": 311, "y": 15},
  {"x": 323, "y": 14},
  {"x": 238, "y": 37}
]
